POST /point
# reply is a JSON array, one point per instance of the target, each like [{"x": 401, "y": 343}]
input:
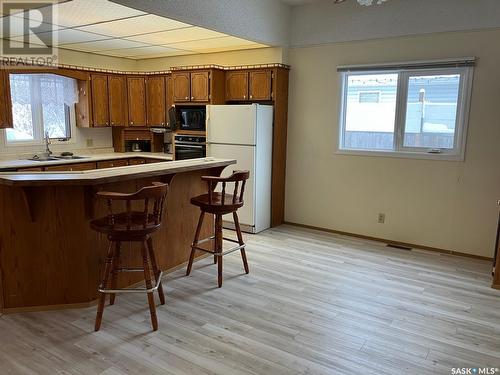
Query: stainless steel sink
[
  {"x": 72, "y": 157},
  {"x": 43, "y": 159}
]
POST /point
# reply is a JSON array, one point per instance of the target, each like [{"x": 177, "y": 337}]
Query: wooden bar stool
[
  {"x": 219, "y": 204},
  {"x": 131, "y": 226}
]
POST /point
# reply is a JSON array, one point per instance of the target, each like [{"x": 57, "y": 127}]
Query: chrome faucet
[{"x": 47, "y": 143}]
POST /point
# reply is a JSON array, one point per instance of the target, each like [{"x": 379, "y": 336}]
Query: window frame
[
  {"x": 38, "y": 128},
  {"x": 462, "y": 117}
]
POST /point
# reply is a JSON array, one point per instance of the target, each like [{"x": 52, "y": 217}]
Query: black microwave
[{"x": 187, "y": 118}]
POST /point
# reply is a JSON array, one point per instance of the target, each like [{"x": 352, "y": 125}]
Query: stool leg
[
  {"x": 104, "y": 284},
  {"x": 156, "y": 271},
  {"x": 218, "y": 246},
  {"x": 147, "y": 278},
  {"x": 195, "y": 243},
  {"x": 240, "y": 241},
  {"x": 116, "y": 261}
]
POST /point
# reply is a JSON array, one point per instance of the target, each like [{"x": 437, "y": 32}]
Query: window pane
[
  {"x": 431, "y": 111},
  {"x": 22, "y": 111},
  {"x": 53, "y": 107},
  {"x": 370, "y": 111}
]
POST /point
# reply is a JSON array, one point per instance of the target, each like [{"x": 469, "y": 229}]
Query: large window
[
  {"x": 410, "y": 112},
  {"x": 41, "y": 103}
]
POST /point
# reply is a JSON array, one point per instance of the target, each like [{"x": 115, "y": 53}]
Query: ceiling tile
[
  {"x": 16, "y": 26},
  {"x": 151, "y": 50},
  {"x": 176, "y": 36},
  {"x": 104, "y": 45},
  {"x": 133, "y": 26},
  {"x": 84, "y": 12},
  {"x": 216, "y": 45}
]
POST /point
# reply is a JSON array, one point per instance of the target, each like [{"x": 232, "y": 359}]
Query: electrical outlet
[
  {"x": 90, "y": 142},
  {"x": 381, "y": 218}
]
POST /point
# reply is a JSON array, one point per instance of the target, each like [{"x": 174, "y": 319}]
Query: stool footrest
[
  {"x": 239, "y": 247},
  {"x": 133, "y": 290}
]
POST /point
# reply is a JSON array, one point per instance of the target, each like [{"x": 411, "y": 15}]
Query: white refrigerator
[{"x": 245, "y": 133}]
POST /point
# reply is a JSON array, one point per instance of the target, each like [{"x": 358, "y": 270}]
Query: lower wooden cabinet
[
  {"x": 112, "y": 163},
  {"x": 136, "y": 161},
  {"x": 71, "y": 167}
]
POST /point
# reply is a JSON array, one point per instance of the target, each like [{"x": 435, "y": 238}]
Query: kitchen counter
[
  {"x": 49, "y": 256},
  {"x": 107, "y": 175},
  {"x": 25, "y": 163}
]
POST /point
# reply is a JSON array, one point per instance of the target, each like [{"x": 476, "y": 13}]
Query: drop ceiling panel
[
  {"x": 84, "y": 12},
  {"x": 16, "y": 26},
  {"x": 175, "y": 36},
  {"x": 127, "y": 52},
  {"x": 133, "y": 26},
  {"x": 104, "y": 45},
  {"x": 216, "y": 44}
]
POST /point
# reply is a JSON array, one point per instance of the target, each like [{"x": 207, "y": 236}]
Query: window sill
[{"x": 402, "y": 155}]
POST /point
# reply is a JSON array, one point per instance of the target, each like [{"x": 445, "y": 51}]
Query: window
[
  {"x": 41, "y": 103},
  {"x": 409, "y": 111}
]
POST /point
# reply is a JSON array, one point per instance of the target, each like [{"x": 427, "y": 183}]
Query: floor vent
[{"x": 401, "y": 247}]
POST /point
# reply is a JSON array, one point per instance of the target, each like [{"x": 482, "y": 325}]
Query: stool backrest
[
  {"x": 153, "y": 197},
  {"x": 239, "y": 179}
]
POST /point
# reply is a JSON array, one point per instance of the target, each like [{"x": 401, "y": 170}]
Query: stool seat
[
  {"x": 131, "y": 224},
  {"x": 217, "y": 203}
]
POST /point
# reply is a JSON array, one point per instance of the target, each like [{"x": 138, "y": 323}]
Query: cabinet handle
[
  {"x": 162, "y": 123},
  {"x": 131, "y": 123},
  {"x": 112, "y": 123},
  {"x": 107, "y": 123},
  {"x": 112, "y": 165},
  {"x": 244, "y": 96},
  {"x": 187, "y": 97},
  {"x": 192, "y": 98},
  {"x": 71, "y": 169},
  {"x": 251, "y": 96}
]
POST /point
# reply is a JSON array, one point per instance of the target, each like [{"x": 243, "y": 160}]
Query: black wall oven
[{"x": 190, "y": 147}]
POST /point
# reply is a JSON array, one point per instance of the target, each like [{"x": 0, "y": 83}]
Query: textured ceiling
[{"x": 103, "y": 27}]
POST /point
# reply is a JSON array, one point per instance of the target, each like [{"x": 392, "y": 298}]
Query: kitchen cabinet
[
  {"x": 156, "y": 101},
  {"x": 83, "y": 108},
  {"x": 118, "y": 109},
  {"x": 181, "y": 84},
  {"x": 5, "y": 102},
  {"x": 260, "y": 84},
  {"x": 136, "y": 161},
  {"x": 30, "y": 169},
  {"x": 169, "y": 93},
  {"x": 236, "y": 85},
  {"x": 100, "y": 100},
  {"x": 112, "y": 163},
  {"x": 253, "y": 85},
  {"x": 136, "y": 88},
  {"x": 200, "y": 86},
  {"x": 71, "y": 167}
]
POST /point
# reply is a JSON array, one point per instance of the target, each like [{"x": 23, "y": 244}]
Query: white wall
[
  {"x": 447, "y": 205},
  {"x": 326, "y": 22},
  {"x": 245, "y": 57}
]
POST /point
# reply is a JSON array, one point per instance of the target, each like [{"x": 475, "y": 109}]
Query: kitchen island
[{"x": 49, "y": 256}]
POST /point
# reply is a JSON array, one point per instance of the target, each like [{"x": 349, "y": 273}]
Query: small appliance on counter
[{"x": 189, "y": 147}]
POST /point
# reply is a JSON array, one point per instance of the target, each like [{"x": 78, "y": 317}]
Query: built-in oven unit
[{"x": 190, "y": 147}]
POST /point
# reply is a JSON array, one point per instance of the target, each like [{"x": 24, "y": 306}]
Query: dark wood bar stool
[
  {"x": 218, "y": 204},
  {"x": 131, "y": 226}
]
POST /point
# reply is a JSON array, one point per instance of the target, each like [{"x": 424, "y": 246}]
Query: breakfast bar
[{"x": 49, "y": 256}]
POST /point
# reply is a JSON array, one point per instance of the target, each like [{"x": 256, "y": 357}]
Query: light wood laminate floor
[{"x": 313, "y": 303}]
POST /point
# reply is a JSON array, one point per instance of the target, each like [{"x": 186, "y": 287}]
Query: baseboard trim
[
  {"x": 15, "y": 310},
  {"x": 390, "y": 242}
]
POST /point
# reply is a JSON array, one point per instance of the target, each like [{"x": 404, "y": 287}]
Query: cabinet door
[
  {"x": 260, "y": 84},
  {"x": 100, "y": 99},
  {"x": 169, "y": 93},
  {"x": 156, "y": 102},
  {"x": 136, "y": 87},
  {"x": 117, "y": 86},
  {"x": 136, "y": 161},
  {"x": 112, "y": 163},
  {"x": 200, "y": 86},
  {"x": 236, "y": 85},
  {"x": 71, "y": 167},
  {"x": 5, "y": 102},
  {"x": 181, "y": 86},
  {"x": 83, "y": 107}
]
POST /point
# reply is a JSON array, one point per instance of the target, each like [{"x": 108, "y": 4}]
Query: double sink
[{"x": 52, "y": 158}]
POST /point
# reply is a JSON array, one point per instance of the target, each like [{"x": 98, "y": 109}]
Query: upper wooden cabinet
[
  {"x": 118, "y": 108},
  {"x": 253, "y": 85},
  {"x": 5, "y": 102},
  {"x": 100, "y": 99},
  {"x": 260, "y": 84},
  {"x": 181, "y": 85},
  {"x": 83, "y": 107},
  {"x": 155, "y": 99},
  {"x": 236, "y": 85},
  {"x": 136, "y": 87},
  {"x": 200, "y": 86}
]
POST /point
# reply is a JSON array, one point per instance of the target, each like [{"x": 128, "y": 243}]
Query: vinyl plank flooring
[{"x": 313, "y": 303}]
